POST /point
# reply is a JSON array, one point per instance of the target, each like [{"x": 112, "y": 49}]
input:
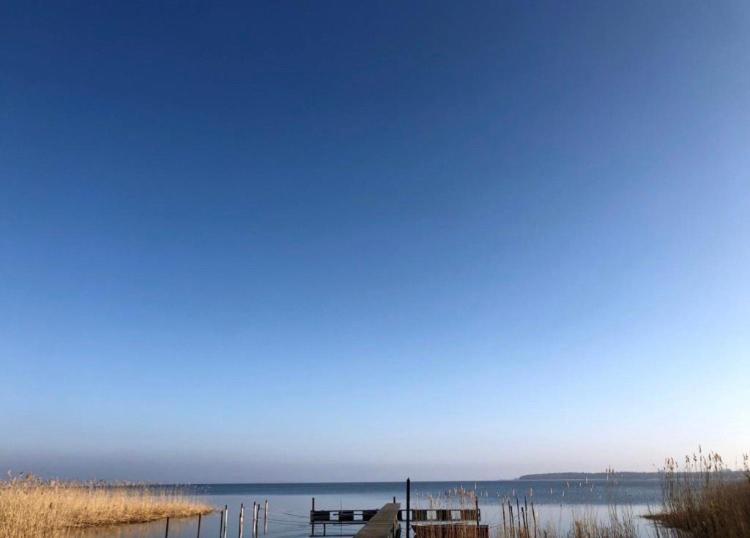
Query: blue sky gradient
[{"x": 336, "y": 241}]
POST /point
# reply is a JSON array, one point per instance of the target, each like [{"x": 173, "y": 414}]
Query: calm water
[{"x": 556, "y": 502}]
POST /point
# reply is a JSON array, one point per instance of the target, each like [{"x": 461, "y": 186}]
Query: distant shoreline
[{"x": 625, "y": 475}]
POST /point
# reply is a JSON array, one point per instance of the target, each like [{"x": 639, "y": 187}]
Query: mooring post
[
  {"x": 200, "y": 516},
  {"x": 256, "y": 518},
  {"x": 312, "y": 518},
  {"x": 166, "y": 531},
  {"x": 265, "y": 516},
  {"x": 241, "y": 520},
  {"x": 408, "y": 506},
  {"x": 226, "y": 520},
  {"x": 221, "y": 522}
]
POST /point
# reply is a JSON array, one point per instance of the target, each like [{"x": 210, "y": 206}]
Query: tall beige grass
[
  {"x": 619, "y": 523},
  {"x": 519, "y": 519},
  {"x": 30, "y": 507},
  {"x": 702, "y": 499}
]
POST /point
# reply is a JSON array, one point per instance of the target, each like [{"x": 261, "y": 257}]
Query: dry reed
[
  {"x": 519, "y": 519},
  {"x": 703, "y": 499},
  {"x": 32, "y": 507}
]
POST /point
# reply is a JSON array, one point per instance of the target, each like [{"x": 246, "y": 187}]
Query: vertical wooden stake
[
  {"x": 312, "y": 518},
  {"x": 166, "y": 532},
  {"x": 241, "y": 520},
  {"x": 257, "y": 517},
  {"x": 408, "y": 506},
  {"x": 265, "y": 516},
  {"x": 200, "y": 516},
  {"x": 226, "y": 520},
  {"x": 221, "y": 523}
]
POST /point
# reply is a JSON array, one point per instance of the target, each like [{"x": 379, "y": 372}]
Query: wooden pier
[
  {"x": 386, "y": 521},
  {"x": 378, "y": 523},
  {"x": 384, "y": 524}
]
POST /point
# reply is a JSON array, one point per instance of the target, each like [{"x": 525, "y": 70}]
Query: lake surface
[{"x": 556, "y": 502}]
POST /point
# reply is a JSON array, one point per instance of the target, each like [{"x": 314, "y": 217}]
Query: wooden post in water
[
  {"x": 265, "y": 516},
  {"x": 166, "y": 531},
  {"x": 256, "y": 518},
  {"x": 408, "y": 506},
  {"x": 241, "y": 520},
  {"x": 312, "y": 519},
  {"x": 226, "y": 520},
  {"x": 200, "y": 516},
  {"x": 221, "y": 523}
]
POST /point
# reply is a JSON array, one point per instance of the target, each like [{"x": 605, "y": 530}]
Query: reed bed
[
  {"x": 703, "y": 499},
  {"x": 520, "y": 520},
  {"x": 30, "y": 507}
]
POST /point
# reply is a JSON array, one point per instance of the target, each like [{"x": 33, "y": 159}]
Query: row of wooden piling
[{"x": 224, "y": 519}]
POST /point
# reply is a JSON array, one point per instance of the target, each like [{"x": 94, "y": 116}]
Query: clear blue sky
[{"x": 335, "y": 240}]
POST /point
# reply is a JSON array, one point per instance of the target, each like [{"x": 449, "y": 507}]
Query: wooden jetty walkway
[
  {"x": 384, "y": 524},
  {"x": 386, "y": 521}
]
